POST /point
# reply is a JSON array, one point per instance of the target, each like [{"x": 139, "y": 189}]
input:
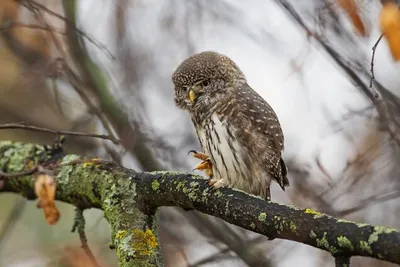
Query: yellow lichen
[
  {"x": 315, "y": 213},
  {"x": 310, "y": 211},
  {"x": 143, "y": 242},
  {"x": 120, "y": 234}
]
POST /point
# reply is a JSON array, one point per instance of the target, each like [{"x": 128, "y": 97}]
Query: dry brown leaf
[
  {"x": 351, "y": 9},
  {"x": 45, "y": 190},
  {"x": 390, "y": 27}
]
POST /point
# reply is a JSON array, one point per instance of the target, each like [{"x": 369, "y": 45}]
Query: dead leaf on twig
[
  {"x": 45, "y": 190},
  {"x": 390, "y": 27}
]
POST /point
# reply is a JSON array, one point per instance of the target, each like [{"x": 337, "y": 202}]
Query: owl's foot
[
  {"x": 206, "y": 165},
  {"x": 217, "y": 183}
]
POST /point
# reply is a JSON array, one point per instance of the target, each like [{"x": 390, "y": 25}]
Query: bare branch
[
  {"x": 142, "y": 193},
  {"x": 40, "y": 129}
]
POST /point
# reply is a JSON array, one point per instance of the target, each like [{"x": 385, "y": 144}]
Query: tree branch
[{"x": 129, "y": 201}]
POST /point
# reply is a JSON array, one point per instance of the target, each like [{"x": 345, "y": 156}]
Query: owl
[{"x": 239, "y": 132}]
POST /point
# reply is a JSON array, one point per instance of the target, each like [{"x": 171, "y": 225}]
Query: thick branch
[{"x": 128, "y": 199}]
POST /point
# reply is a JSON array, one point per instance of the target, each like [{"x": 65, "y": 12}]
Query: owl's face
[
  {"x": 200, "y": 94},
  {"x": 203, "y": 80}
]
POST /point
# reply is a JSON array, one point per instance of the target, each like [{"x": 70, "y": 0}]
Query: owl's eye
[{"x": 205, "y": 83}]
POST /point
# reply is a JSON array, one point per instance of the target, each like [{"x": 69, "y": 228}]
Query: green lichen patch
[
  {"x": 262, "y": 217},
  {"x": 293, "y": 227},
  {"x": 155, "y": 185},
  {"x": 344, "y": 242},
  {"x": 123, "y": 241},
  {"x": 365, "y": 246},
  {"x": 194, "y": 184},
  {"x": 68, "y": 159},
  {"x": 377, "y": 231},
  {"x": 180, "y": 185},
  {"x": 218, "y": 193},
  {"x": 324, "y": 243}
]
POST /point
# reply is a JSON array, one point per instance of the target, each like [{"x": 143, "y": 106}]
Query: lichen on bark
[
  {"x": 102, "y": 185},
  {"x": 130, "y": 201}
]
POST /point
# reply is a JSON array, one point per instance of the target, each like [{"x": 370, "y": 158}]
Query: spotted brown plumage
[{"x": 238, "y": 130}]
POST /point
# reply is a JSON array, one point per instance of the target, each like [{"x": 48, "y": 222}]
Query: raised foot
[{"x": 205, "y": 165}]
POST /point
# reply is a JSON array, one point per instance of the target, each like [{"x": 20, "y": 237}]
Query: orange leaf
[
  {"x": 390, "y": 27},
  {"x": 45, "y": 190},
  {"x": 351, "y": 9}
]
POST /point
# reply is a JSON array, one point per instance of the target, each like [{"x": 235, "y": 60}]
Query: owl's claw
[
  {"x": 205, "y": 165},
  {"x": 218, "y": 183},
  {"x": 198, "y": 155},
  {"x": 212, "y": 181},
  {"x": 215, "y": 184}
]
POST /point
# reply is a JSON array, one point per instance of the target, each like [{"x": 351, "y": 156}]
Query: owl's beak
[
  {"x": 192, "y": 95},
  {"x": 194, "y": 92}
]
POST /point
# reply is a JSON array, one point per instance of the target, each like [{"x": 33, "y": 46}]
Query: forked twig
[{"x": 372, "y": 65}]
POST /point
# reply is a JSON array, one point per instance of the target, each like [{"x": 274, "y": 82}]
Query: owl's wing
[
  {"x": 261, "y": 115},
  {"x": 265, "y": 124}
]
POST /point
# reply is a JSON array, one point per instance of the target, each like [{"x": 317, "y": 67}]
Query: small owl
[{"x": 238, "y": 130}]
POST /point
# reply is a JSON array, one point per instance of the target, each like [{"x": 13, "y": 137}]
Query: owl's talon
[
  {"x": 212, "y": 181},
  {"x": 219, "y": 183},
  {"x": 198, "y": 155},
  {"x": 192, "y": 151}
]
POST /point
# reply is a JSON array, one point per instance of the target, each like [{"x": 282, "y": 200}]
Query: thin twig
[
  {"x": 34, "y": 5},
  {"x": 79, "y": 225},
  {"x": 372, "y": 64},
  {"x": 40, "y": 129},
  {"x": 36, "y": 169},
  {"x": 18, "y": 174}
]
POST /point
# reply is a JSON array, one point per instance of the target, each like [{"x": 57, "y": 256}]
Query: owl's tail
[{"x": 283, "y": 181}]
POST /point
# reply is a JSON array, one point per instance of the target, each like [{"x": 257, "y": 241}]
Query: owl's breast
[{"x": 219, "y": 142}]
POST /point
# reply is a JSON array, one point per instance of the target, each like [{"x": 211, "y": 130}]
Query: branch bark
[{"x": 130, "y": 201}]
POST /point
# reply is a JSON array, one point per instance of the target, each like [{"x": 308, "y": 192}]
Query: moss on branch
[
  {"x": 130, "y": 199},
  {"x": 89, "y": 184}
]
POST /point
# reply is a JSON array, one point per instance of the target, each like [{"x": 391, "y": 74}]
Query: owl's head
[{"x": 204, "y": 79}]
